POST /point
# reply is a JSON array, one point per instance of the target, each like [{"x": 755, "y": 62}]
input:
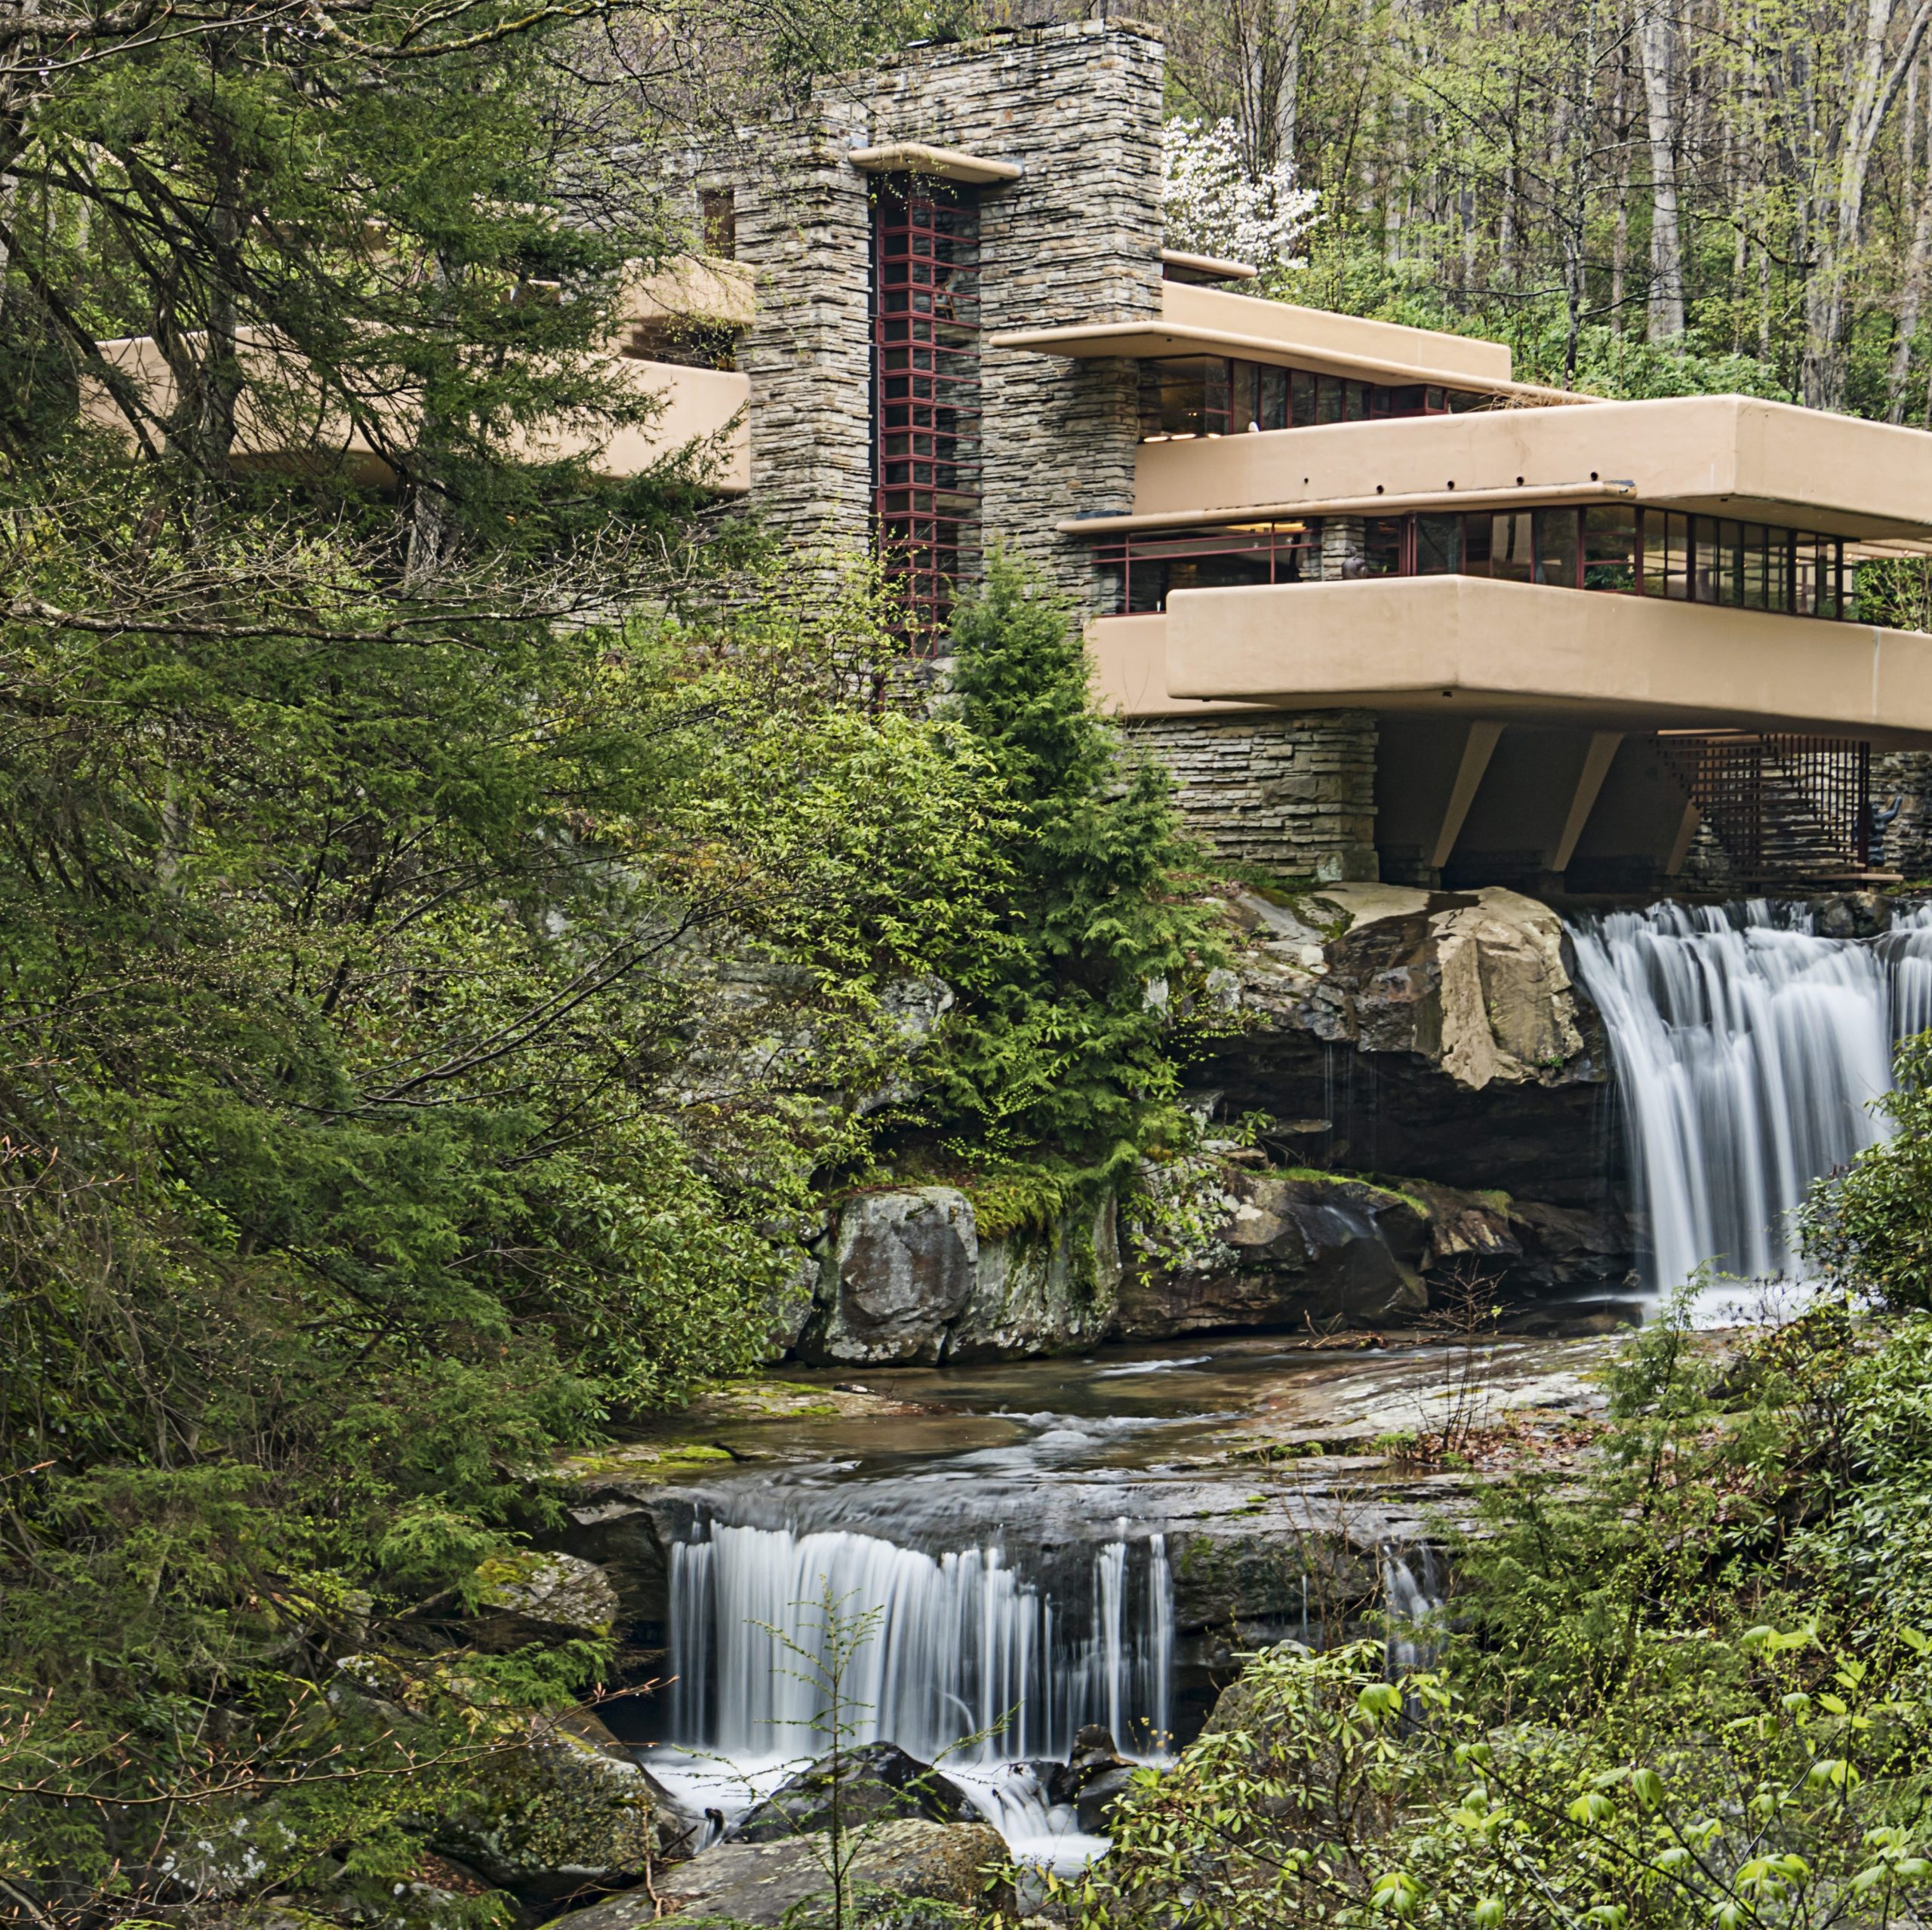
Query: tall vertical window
[{"x": 926, "y": 391}]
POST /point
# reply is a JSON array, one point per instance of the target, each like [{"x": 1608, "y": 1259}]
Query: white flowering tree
[{"x": 1214, "y": 206}]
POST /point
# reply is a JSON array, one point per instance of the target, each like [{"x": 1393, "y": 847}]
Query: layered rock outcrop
[
  {"x": 1377, "y": 1031},
  {"x": 907, "y": 1278},
  {"x": 1434, "y": 1034}
]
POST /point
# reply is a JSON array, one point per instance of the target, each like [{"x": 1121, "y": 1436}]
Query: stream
[
  {"x": 984, "y": 1564},
  {"x": 988, "y": 1559}
]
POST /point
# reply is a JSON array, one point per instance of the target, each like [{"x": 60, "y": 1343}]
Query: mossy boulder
[
  {"x": 532, "y": 1597},
  {"x": 566, "y": 1813}
]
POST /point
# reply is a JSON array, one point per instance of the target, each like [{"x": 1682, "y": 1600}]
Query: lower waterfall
[
  {"x": 961, "y": 1657},
  {"x": 1747, "y": 1048}
]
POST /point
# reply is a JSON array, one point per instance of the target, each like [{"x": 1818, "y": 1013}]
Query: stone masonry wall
[
  {"x": 1904, "y": 777},
  {"x": 1292, "y": 795},
  {"x": 804, "y": 223},
  {"x": 1077, "y": 238}
]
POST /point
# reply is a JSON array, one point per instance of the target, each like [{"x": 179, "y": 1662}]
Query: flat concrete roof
[
  {"x": 1481, "y": 648},
  {"x": 1716, "y": 455},
  {"x": 1194, "y": 320},
  {"x": 704, "y": 408}
]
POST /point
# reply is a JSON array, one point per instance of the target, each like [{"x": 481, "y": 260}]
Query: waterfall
[
  {"x": 1409, "y": 1601},
  {"x": 1747, "y": 1048},
  {"x": 942, "y": 1647}
]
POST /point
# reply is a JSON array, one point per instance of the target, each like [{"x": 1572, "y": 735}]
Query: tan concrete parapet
[
  {"x": 1130, "y": 671},
  {"x": 1720, "y": 455},
  {"x": 704, "y": 407},
  {"x": 1208, "y": 267},
  {"x": 690, "y": 288},
  {"x": 1196, "y": 320},
  {"x": 1474, "y": 647}
]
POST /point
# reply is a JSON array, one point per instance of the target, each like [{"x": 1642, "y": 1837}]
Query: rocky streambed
[{"x": 1045, "y": 1571}]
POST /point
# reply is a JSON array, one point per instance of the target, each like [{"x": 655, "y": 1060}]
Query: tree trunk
[
  {"x": 1877, "y": 84},
  {"x": 1655, "y": 36},
  {"x": 1911, "y": 298}
]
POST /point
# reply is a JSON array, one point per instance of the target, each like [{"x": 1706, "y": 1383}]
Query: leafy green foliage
[
  {"x": 1869, "y": 1229},
  {"x": 1684, "y": 1685},
  {"x": 1065, "y": 1034},
  {"x": 1344, "y": 1798}
]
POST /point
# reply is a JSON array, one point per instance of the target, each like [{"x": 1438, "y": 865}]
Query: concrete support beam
[
  {"x": 1479, "y": 746},
  {"x": 1597, "y": 761},
  {"x": 1680, "y": 847}
]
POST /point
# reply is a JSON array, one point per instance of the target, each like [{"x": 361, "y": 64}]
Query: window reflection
[
  {"x": 1187, "y": 395},
  {"x": 1619, "y": 547},
  {"x": 1609, "y": 547}
]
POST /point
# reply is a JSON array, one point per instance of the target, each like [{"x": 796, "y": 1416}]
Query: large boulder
[
  {"x": 1268, "y": 1249},
  {"x": 1436, "y": 1033},
  {"x": 1092, "y": 1780},
  {"x": 535, "y": 1597},
  {"x": 903, "y": 1264},
  {"x": 1039, "y": 1292},
  {"x": 1218, "y": 1245},
  {"x": 567, "y": 1815},
  {"x": 873, "y": 1781},
  {"x": 737, "y": 1883}
]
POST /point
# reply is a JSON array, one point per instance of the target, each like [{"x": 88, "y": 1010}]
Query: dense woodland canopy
[{"x": 1749, "y": 183}]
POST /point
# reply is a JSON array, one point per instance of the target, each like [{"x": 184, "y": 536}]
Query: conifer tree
[{"x": 1065, "y": 1039}]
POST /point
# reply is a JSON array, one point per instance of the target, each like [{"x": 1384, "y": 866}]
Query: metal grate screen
[
  {"x": 1781, "y": 806},
  {"x": 926, "y": 392}
]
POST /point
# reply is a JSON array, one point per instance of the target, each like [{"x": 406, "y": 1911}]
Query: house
[{"x": 1385, "y": 611}]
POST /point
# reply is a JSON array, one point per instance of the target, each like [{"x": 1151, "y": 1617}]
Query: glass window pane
[
  {"x": 1754, "y": 566},
  {"x": 1556, "y": 547},
  {"x": 1301, "y": 390},
  {"x": 1358, "y": 401},
  {"x": 1829, "y": 605},
  {"x": 1438, "y": 545},
  {"x": 1477, "y": 531},
  {"x": 1804, "y": 577},
  {"x": 1272, "y": 399},
  {"x": 1327, "y": 398},
  {"x": 1609, "y": 547},
  {"x": 1654, "y": 552},
  {"x": 1189, "y": 395},
  {"x": 1509, "y": 546},
  {"x": 1433, "y": 401},
  {"x": 1382, "y": 545},
  {"x": 1214, "y": 409},
  {"x": 1243, "y": 407},
  {"x": 1777, "y": 570},
  {"x": 1730, "y": 563},
  {"x": 1703, "y": 560},
  {"x": 1677, "y": 557}
]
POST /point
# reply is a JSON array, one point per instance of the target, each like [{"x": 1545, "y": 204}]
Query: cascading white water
[
  {"x": 1748, "y": 1048},
  {"x": 956, "y": 1646}
]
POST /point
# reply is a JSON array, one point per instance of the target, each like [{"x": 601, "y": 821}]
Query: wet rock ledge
[{"x": 1434, "y": 1036}]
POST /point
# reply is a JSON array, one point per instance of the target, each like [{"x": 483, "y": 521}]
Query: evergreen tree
[{"x": 1066, "y": 1037}]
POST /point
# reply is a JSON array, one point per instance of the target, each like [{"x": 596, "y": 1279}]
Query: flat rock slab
[{"x": 755, "y": 1884}]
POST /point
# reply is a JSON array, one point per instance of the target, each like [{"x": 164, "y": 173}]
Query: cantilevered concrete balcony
[
  {"x": 1480, "y": 648},
  {"x": 282, "y": 422},
  {"x": 1200, "y": 321},
  {"x": 1713, "y": 455}
]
